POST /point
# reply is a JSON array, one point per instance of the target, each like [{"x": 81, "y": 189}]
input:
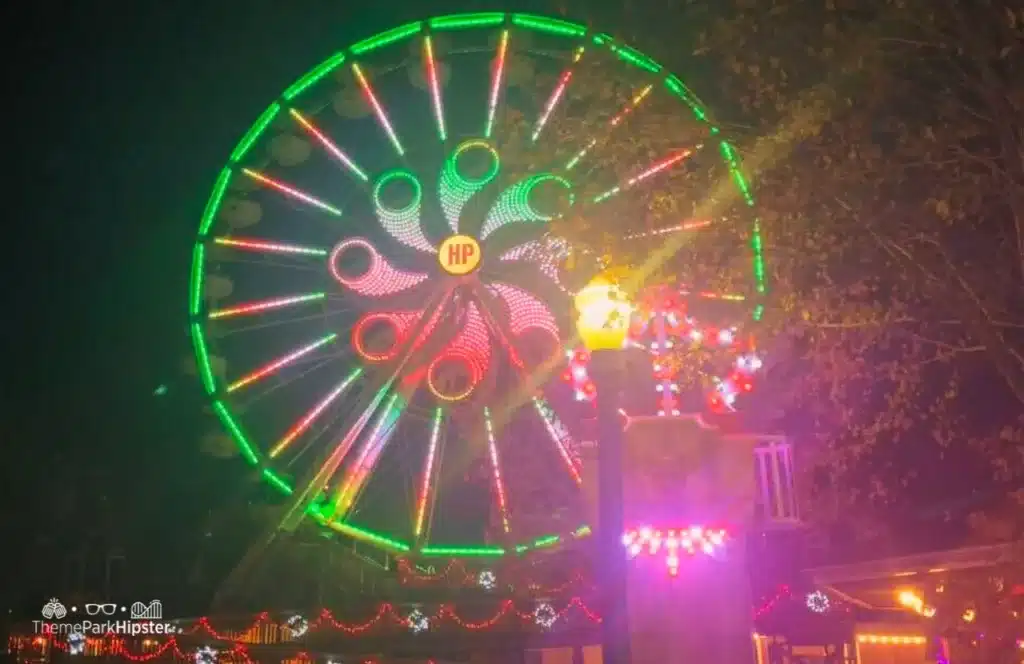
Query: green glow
[
  {"x": 382, "y": 182},
  {"x": 550, "y": 25},
  {"x": 455, "y": 189},
  {"x": 545, "y": 542},
  {"x": 677, "y": 88},
  {"x": 213, "y": 204},
  {"x": 369, "y": 536},
  {"x": 276, "y": 481},
  {"x": 756, "y": 242},
  {"x": 203, "y": 359},
  {"x": 389, "y": 37},
  {"x": 457, "y": 551},
  {"x": 464, "y": 21},
  {"x": 195, "y": 294},
  {"x": 255, "y": 131},
  {"x": 513, "y": 205},
  {"x": 313, "y": 76},
  {"x": 628, "y": 54},
  {"x": 228, "y": 420}
]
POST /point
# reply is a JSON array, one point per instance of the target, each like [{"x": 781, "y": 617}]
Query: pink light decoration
[
  {"x": 674, "y": 543},
  {"x": 279, "y": 363},
  {"x": 328, "y": 145},
  {"x": 471, "y": 346},
  {"x": 380, "y": 279},
  {"x": 525, "y": 311},
  {"x": 291, "y": 192},
  {"x": 546, "y": 254}
]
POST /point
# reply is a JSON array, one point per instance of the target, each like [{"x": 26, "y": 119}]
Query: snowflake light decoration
[
  {"x": 417, "y": 622},
  {"x": 545, "y": 615},
  {"x": 205, "y": 655},
  {"x": 818, "y": 602},
  {"x": 76, "y": 643},
  {"x": 298, "y": 625},
  {"x": 487, "y": 580}
]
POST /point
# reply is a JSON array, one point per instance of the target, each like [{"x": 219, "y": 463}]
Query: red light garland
[{"x": 113, "y": 645}]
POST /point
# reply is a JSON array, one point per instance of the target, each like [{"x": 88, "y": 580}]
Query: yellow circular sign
[{"x": 459, "y": 254}]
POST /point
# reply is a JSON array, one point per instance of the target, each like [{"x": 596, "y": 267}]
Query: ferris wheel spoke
[
  {"x": 283, "y": 361},
  {"x": 686, "y": 226},
  {"x": 433, "y": 80},
  {"x": 497, "y": 81},
  {"x": 561, "y": 438},
  {"x": 329, "y": 145},
  {"x": 655, "y": 168},
  {"x": 355, "y": 479},
  {"x": 426, "y": 498},
  {"x": 291, "y": 192},
  {"x": 612, "y": 124},
  {"x": 378, "y": 109},
  {"x": 323, "y": 475},
  {"x": 234, "y": 329},
  {"x": 267, "y": 390},
  {"x": 311, "y": 416},
  {"x": 500, "y": 496},
  {"x": 267, "y": 247},
  {"x": 260, "y": 306},
  {"x": 556, "y": 96}
]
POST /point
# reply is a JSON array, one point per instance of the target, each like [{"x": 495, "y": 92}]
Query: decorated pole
[{"x": 603, "y": 325}]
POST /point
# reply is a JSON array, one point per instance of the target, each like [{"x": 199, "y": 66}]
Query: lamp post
[{"x": 603, "y": 318}]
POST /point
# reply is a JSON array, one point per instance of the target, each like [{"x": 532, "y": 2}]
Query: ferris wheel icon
[{"x": 378, "y": 296}]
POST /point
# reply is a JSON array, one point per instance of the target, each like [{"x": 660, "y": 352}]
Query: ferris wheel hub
[{"x": 459, "y": 255}]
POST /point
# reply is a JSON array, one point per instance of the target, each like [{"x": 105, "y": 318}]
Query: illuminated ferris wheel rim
[{"x": 506, "y": 22}]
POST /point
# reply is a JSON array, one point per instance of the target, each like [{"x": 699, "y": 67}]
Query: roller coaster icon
[{"x": 152, "y": 611}]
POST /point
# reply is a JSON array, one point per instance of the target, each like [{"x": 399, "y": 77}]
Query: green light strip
[
  {"x": 464, "y": 21},
  {"x": 550, "y": 25},
  {"x": 389, "y": 37},
  {"x": 255, "y": 131},
  {"x": 313, "y": 76}
]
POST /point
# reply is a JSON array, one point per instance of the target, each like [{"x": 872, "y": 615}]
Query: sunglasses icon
[{"x": 96, "y": 609}]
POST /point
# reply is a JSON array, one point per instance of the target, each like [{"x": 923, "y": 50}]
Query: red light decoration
[
  {"x": 381, "y": 278},
  {"x": 387, "y": 614},
  {"x": 400, "y": 321},
  {"x": 471, "y": 346}
]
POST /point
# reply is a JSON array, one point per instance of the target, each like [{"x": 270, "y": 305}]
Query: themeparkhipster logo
[{"x": 99, "y": 619}]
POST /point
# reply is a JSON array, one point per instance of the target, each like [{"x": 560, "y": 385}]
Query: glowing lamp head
[{"x": 603, "y": 314}]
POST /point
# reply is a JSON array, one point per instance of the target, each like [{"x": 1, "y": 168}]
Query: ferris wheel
[{"x": 377, "y": 307}]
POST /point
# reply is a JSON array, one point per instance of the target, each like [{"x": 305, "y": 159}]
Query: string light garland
[
  {"x": 456, "y": 572},
  {"x": 541, "y": 615},
  {"x": 416, "y": 622},
  {"x": 674, "y": 543}
]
